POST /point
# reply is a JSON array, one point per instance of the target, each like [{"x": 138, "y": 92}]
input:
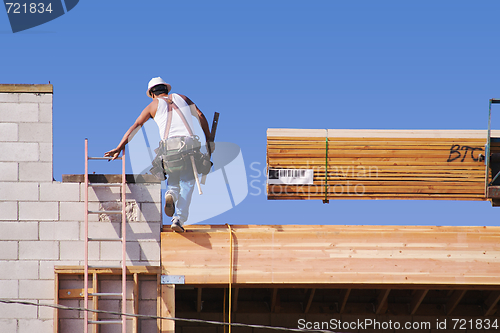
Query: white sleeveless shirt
[{"x": 177, "y": 127}]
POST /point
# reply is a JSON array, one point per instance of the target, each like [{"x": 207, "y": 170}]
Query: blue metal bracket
[{"x": 172, "y": 279}]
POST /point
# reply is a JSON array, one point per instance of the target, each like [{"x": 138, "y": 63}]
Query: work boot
[
  {"x": 177, "y": 225},
  {"x": 169, "y": 204}
]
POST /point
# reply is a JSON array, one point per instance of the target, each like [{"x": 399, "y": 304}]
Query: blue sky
[{"x": 269, "y": 64}]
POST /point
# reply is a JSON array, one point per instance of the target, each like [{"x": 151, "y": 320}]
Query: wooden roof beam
[
  {"x": 455, "y": 298},
  {"x": 381, "y": 305},
  {"x": 235, "y": 299},
  {"x": 491, "y": 303},
  {"x": 344, "y": 295},
  {"x": 418, "y": 297},
  {"x": 199, "y": 303},
  {"x": 274, "y": 299},
  {"x": 309, "y": 300}
]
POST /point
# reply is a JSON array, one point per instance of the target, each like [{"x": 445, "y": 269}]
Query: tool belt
[{"x": 174, "y": 155}]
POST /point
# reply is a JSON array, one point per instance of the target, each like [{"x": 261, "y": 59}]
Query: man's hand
[{"x": 114, "y": 153}]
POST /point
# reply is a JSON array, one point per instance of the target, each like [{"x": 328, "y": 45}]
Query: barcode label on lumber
[{"x": 290, "y": 176}]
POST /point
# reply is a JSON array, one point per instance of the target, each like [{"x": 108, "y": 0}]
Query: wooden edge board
[
  {"x": 103, "y": 270},
  {"x": 356, "y": 133},
  {"x": 26, "y": 88}
]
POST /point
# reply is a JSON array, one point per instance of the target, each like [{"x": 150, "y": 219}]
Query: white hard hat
[{"x": 156, "y": 81}]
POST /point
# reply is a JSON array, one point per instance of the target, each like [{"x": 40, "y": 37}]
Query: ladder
[{"x": 95, "y": 294}]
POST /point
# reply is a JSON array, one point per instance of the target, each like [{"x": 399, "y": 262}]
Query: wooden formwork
[{"x": 381, "y": 164}]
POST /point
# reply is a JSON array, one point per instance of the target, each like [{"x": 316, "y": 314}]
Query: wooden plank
[
  {"x": 344, "y": 296},
  {"x": 417, "y": 300},
  {"x": 76, "y": 293},
  {"x": 382, "y": 301},
  {"x": 56, "y": 301},
  {"x": 235, "y": 299},
  {"x": 159, "y": 302},
  {"x": 95, "y": 302},
  {"x": 274, "y": 298},
  {"x": 135, "y": 303},
  {"x": 337, "y": 255},
  {"x": 455, "y": 298},
  {"x": 491, "y": 303},
  {"x": 309, "y": 300},
  {"x": 27, "y": 88},
  {"x": 198, "y": 300},
  {"x": 168, "y": 308},
  {"x": 146, "y": 270}
]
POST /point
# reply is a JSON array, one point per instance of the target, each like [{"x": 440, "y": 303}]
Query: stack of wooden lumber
[{"x": 380, "y": 164}]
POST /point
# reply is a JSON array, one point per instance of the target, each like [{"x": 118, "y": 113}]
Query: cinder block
[
  {"x": 18, "y": 231},
  {"x": 45, "y": 115},
  {"x": 147, "y": 290},
  {"x": 8, "y": 250},
  {"x": 70, "y": 314},
  {"x": 18, "y": 270},
  {"x": 18, "y": 152},
  {"x": 56, "y": 191},
  {"x": 71, "y": 325},
  {"x": 35, "y": 172},
  {"x": 9, "y": 289},
  {"x": 35, "y": 98},
  {"x": 39, "y": 250},
  {"x": 103, "y": 229},
  {"x": 38, "y": 211},
  {"x": 151, "y": 212},
  {"x": 39, "y": 289},
  {"x": 9, "y": 132},
  {"x": 35, "y": 132},
  {"x": 47, "y": 267},
  {"x": 143, "y": 230},
  {"x": 150, "y": 251},
  {"x": 60, "y": 230},
  {"x": 9, "y": 98},
  {"x": 11, "y": 191},
  {"x": 36, "y": 325},
  {"x": 45, "y": 151},
  {"x": 72, "y": 211},
  {"x": 145, "y": 192},
  {"x": 74, "y": 250},
  {"x": 113, "y": 251},
  {"x": 9, "y": 171},
  {"x": 8, "y": 211},
  {"x": 18, "y": 311},
  {"x": 18, "y": 112}
]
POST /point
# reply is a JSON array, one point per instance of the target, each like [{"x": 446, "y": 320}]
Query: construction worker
[{"x": 180, "y": 183}]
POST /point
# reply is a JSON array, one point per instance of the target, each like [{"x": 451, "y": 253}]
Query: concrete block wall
[{"x": 41, "y": 221}]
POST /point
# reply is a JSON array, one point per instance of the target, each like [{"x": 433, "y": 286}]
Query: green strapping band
[{"x": 326, "y": 170}]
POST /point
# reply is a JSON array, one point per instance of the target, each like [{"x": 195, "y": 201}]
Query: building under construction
[{"x": 67, "y": 243}]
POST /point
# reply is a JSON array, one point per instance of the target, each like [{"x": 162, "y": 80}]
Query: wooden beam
[
  {"x": 309, "y": 300},
  {"x": 344, "y": 296},
  {"x": 168, "y": 308},
  {"x": 274, "y": 298},
  {"x": 95, "y": 302},
  {"x": 417, "y": 299},
  {"x": 235, "y": 299},
  {"x": 27, "y": 88},
  {"x": 491, "y": 303},
  {"x": 198, "y": 300},
  {"x": 75, "y": 293},
  {"x": 135, "y": 304},
  {"x": 454, "y": 299},
  {"x": 158, "y": 303},
  {"x": 448, "y": 257},
  {"x": 56, "y": 301},
  {"x": 381, "y": 305}
]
